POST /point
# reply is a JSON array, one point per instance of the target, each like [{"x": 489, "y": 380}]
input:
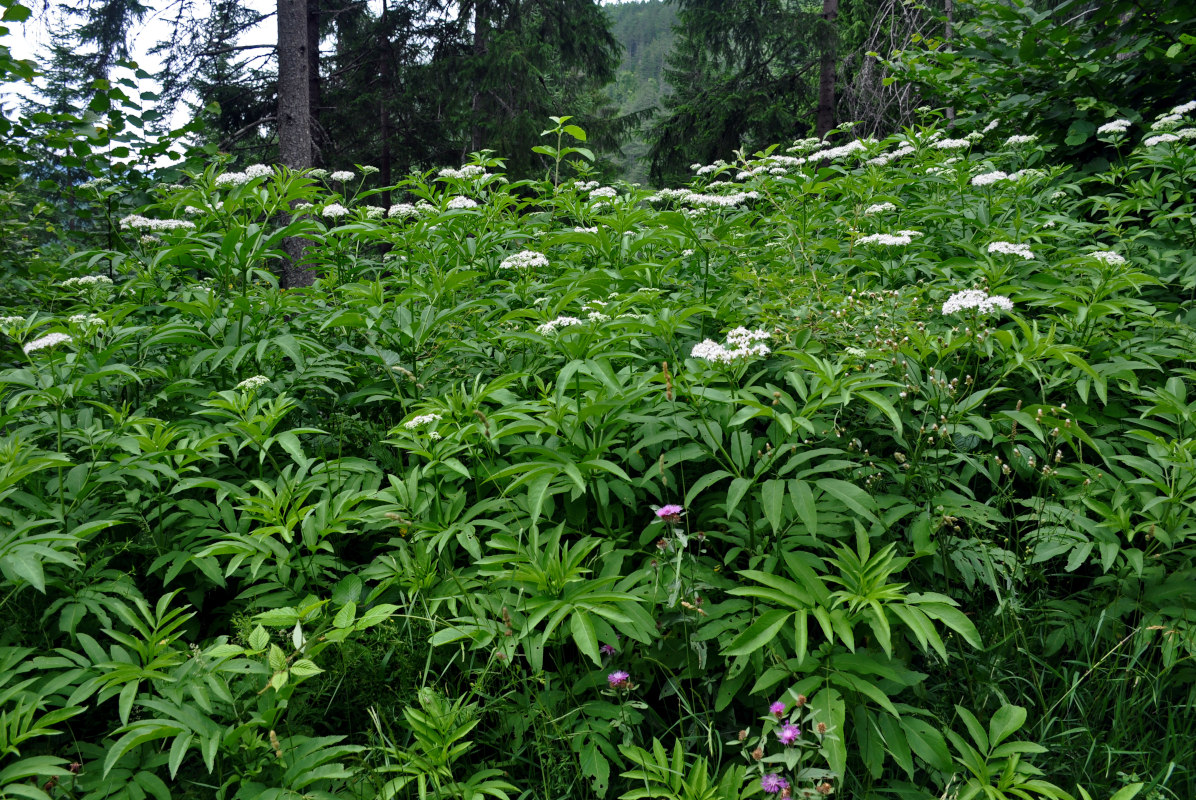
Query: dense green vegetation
[
  {"x": 858, "y": 467},
  {"x": 865, "y": 470}
]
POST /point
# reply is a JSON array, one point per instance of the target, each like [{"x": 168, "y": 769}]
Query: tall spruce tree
[{"x": 743, "y": 74}]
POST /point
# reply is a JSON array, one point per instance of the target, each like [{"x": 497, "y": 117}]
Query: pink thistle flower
[
  {"x": 788, "y": 734},
  {"x": 607, "y": 649},
  {"x": 670, "y": 513},
  {"x": 777, "y": 708},
  {"x": 773, "y": 783},
  {"x": 619, "y": 679}
]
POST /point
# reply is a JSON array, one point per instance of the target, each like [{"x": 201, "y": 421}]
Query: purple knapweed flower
[
  {"x": 618, "y": 679},
  {"x": 788, "y": 734},
  {"x": 671, "y": 513},
  {"x": 777, "y": 708},
  {"x": 773, "y": 783},
  {"x": 607, "y": 649}
]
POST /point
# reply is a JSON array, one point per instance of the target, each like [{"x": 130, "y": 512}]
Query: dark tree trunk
[
  {"x": 313, "y": 82},
  {"x": 481, "y": 27},
  {"x": 384, "y": 107},
  {"x": 826, "y": 78},
  {"x": 294, "y": 118}
]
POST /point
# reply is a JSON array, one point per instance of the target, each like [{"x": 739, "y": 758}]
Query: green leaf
[
  {"x": 576, "y": 133},
  {"x": 582, "y": 628},
  {"x": 927, "y": 743},
  {"x": 259, "y": 638},
  {"x": 759, "y": 633},
  {"x": 851, "y": 496},
  {"x": 1004, "y": 723},
  {"x": 304, "y": 668},
  {"x": 773, "y": 500}
]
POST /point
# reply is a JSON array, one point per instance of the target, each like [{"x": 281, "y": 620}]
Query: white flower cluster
[
  {"x": 709, "y": 168},
  {"x": 1167, "y": 122},
  {"x": 720, "y": 200},
  {"x": 11, "y": 322},
  {"x": 1020, "y": 139},
  {"x": 1186, "y": 108},
  {"x": 524, "y": 259},
  {"x": 343, "y": 175},
  {"x": 585, "y": 230},
  {"x": 974, "y": 136},
  {"x": 460, "y": 202},
  {"x": 991, "y": 126},
  {"x": 880, "y": 208},
  {"x": 888, "y": 239},
  {"x": 603, "y": 192},
  {"x": 233, "y": 179},
  {"x": 140, "y": 223},
  {"x": 1011, "y": 249},
  {"x": 318, "y": 174},
  {"x": 258, "y": 171},
  {"x": 249, "y": 384},
  {"x": 334, "y": 211},
  {"x": 854, "y": 146},
  {"x": 1162, "y": 138},
  {"x": 559, "y": 322},
  {"x": 465, "y": 173},
  {"x": 49, "y": 340},
  {"x": 86, "y": 280},
  {"x": 86, "y": 320},
  {"x": 884, "y": 158},
  {"x": 743, "y": 343},
  {"x": 402, "y": 211},
  {"x": 987, "y": 178},
  {"x": 1108, "y": 257},
  {"x": 373, "y": 212},
  {"x": 1116, "y": 126},
  {"x": 950, "y": 144},
  {"x": 669, "y": 194},
  {"x": 421, "y": 420},
  {"x": 978, "y": 299}
]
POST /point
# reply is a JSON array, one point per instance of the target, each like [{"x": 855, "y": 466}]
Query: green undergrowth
[{"x": 864, "y": 471}]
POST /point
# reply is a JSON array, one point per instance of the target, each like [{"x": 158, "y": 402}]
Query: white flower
[
  {"x": 11, "y": 322},
  {"x": 459, "y": 202},
  {"x": 855, "y": 351},
  {"x": 950, "y": 144},
  {"x": 1116, "y": 126},
  {"x": 597, "y": 316},
  {"x": 877, "y": 208},
  {"x": 368, "y": 170},
  {"x": 989, "y": 178},
  {"x": 1162, "y": 138},
  {"x": 138, "y": 222},
  {"x": 1020, "y": 139},
  {"x": 258, "y": 171},
  {"x": 854, "y": 146},
  {"x": 250, "y": 384},
  {"x": 87, "y": 280},
  {"x": 1108, "y": 258},
  {"x": 420, "y": 421},
  {"x": 990, "y": 126},
  {"x": 885, "y": 158},
  {"x": 585, "y": 230},
  {"x": 374, "y": 212},
  {"x": 603, "y": 191},
  {"x": 1185, "y": 108},
  {"x": 524, "y": 260},
  {"x": 719, "y": 200},
  {"x": 742, "y": 337},
  {"x": 403, "y": 211},
  {"x": 343, "y": 175},
  {"x": 434, "y": 436},
  {"x": 559, "y": 322},
  {"x": 977, "y": 299},
  {"x": 49, "y": 340},
  {"x": 232, "y": 179},
  {"x": 974, "y": 136},
  {"x": 1009, "y": 248},
  {"x": 318, "y": 174},
  {"x": 1166, "y": 122},
  {"x": 887, "y": 239},
  {"x": 86, "y": 320},
  {"x": 334, "y": 210},
  {"x": 468, "y": 171}
]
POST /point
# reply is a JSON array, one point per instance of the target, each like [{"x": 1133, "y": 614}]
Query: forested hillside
[{"x": 645, "y": 30}]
